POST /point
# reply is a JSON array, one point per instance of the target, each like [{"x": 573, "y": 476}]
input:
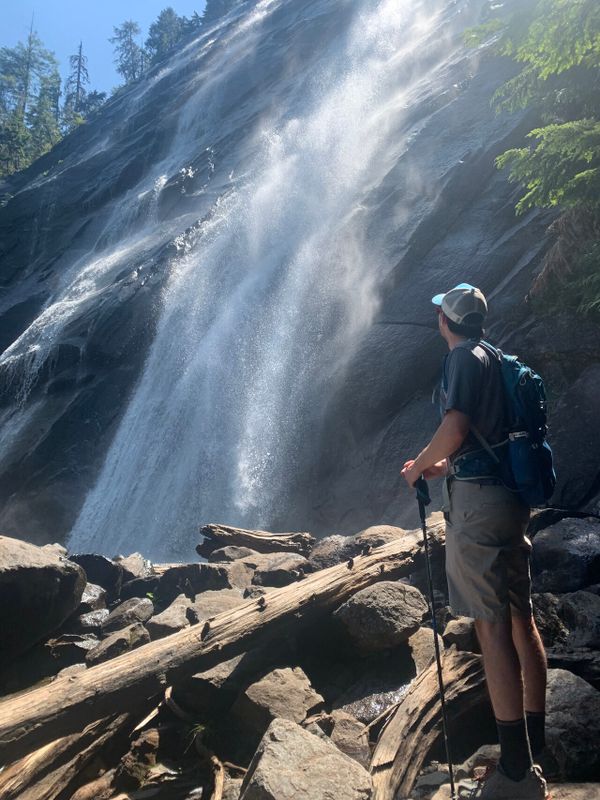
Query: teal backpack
[{"x": 525, "y": 464}]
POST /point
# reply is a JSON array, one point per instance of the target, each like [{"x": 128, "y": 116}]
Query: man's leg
[
  {"x": 532, "y": 658},
  {"x": 505, "y": 686}
]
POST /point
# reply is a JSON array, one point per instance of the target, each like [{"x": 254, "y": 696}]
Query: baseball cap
[{"x": 462, "y": 301}]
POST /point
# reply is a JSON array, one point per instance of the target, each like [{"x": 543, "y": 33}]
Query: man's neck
[{"x": 453, "y": 340}]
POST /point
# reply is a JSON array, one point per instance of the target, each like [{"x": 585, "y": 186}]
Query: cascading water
[{"x": 278, "y": 267}]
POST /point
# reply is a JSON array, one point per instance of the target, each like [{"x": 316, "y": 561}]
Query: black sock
[
  {"x": 536, "y": 731},
  {"x": 515, "y": 756}
]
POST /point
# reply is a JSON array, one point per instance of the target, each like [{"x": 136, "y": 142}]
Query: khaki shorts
[{"x": 487, "y": 551}]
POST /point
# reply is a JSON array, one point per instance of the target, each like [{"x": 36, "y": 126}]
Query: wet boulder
[
  {"x": 39, "y": 590},
  {"x": 291, "y": 762}
]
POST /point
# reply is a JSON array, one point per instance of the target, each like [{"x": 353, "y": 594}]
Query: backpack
[{"x": 527, "y": 466}]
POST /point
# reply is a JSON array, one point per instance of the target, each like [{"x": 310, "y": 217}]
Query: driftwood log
[
  {"x": 135, "y": 679},
  {"x": 216, "y": 536},
  {"x": 49, "y": 771},
  {"x": 416, "y": 724}
]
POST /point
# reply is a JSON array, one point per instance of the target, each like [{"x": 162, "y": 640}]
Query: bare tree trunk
[
  {"x": 416, "y": 724},
  {"x": 134, "y": 679}
]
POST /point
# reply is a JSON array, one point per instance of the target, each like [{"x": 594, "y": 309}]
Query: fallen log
[
  {"x": 134, "y": 679},
  {"x": 216, "y": 536},
  {"x": 416, "y": 724},
  {"x": 49, "y": 771}
]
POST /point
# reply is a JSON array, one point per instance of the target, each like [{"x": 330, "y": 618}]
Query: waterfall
[{"x": 269, "y": 294}]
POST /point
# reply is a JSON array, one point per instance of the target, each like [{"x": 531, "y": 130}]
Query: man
[{"x": 487, "y": 551}]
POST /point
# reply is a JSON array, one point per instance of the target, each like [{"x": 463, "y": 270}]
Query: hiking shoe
[{"x": 500, "y": 787}]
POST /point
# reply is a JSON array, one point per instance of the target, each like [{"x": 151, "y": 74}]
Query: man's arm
[{"x": 446, "y": 440}]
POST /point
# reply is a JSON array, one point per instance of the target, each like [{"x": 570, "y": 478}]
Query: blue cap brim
[{"x": 437, "y": 300}]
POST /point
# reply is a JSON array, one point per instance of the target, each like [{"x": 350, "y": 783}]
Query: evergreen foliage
[
  {"x": 165, "y": 32},
  {"x": 75, "y": 90},
  {"x": 129, "y": 55},
  {"x": 217, "y": 8}
]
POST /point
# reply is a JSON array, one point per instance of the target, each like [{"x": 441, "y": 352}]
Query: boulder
[
  {"x": 91, "y": 622},
  {"x": 191, "y": 579},
  {"x": 174, "y": 618},
  {"x": 39, "y": 590},
  {"x": 334, "y": 549},
  {"x": 573, "y": 726},
  {"x": 351, "y": 737},
  {"x": 285, "y": 693},
  {"x": 210, "y": 603},
  {"x": 231, "y": 788},
  {"x": 276, "y": 569},
  {"x": 92, "y": 599},
  {"x": 422, "y": 649},
  {"x": 461, "y": 633},
  {"x": 134, "y": 566},
  {"x": 548, "y": 620},
  {"x": 140, "y": 587},
  {"x": 137, "y": 609},
  {"x": 566, "y": 556},
  {"x": 382, "y": 615},
  {"x": 580, "y": 612},
  {"x": 118, "y": 643},
  {"x": 231, "y": 552},
  {"x": 293, "y": 764},
  {"x": 103, "y": 571}
]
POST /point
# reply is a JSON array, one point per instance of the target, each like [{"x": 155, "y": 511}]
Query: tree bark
[
  {"x": 416, "y": 724},
  {"x": 263, "y": 542},
  {"x": 48, "y": 772},
  {"x": 134, "y": 679}
]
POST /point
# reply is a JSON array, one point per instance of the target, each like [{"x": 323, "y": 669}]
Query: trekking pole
[{"x": 424, "y": 500}]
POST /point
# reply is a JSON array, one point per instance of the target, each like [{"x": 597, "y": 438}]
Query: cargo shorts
[{"x": 487, "y": 551}]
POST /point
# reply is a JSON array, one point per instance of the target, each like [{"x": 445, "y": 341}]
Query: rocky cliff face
[{"x": 195, "y": 284}]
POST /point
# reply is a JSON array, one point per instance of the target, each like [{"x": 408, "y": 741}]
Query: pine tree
[
  {"x": 217, "y": 8},
  {"x": 128, "y": 53},
  {"x": 91, "y": 102},
  {"x": 164, "y": 34},
  {"x": 75, "y": 91},
  {"x": 43, "y": 117}
]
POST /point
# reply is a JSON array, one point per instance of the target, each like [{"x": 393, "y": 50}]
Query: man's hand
[{"x": 410, "y": 474}]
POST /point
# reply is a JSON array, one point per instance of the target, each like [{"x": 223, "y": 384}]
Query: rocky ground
[{"x": 307, "y": 714}]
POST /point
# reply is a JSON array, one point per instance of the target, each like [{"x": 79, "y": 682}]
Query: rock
[
  {"x": 191, "y": 579},
  {"x": 292, "y": 764},
  {"x": 134, "y": 566},
  {"x": 92, "y": 599},
  {"x": 252, "y": 592},
  {"x": 382, "y": 615},
  {"x": 56, "y": 549},
  {"x": 335, "y": 549},
  {"x": 276, "y": 569},
  {"x": 486, "y": 756},
  {"x": 377, "y": 535},
  {"x": 137, "y": 609},
  {"x": 580, "y": 661},
  {"x": 461, "y": 633},
  {"x": 232, "y": 788},
  {"x": 210, "y": 603},
  {"x": 39, "y": 591},
  {"x": 140, "y": 587},
  {"x": 566, "y": 556},
  {"x": 231, "y": 553},
  {"x": 69, "y": 649},
  {"x": 284, "y": 693},
  {"x": 351, "y": 737},
  {"x": 92, "y": 622},
  {"x": 174, "y": 618},
  {"x": 550, "y": 625},
  {"x": 103, "y": 571},
  {"x": 422, "y": 649},
  {"x": 118, "y": 643},
  {"x": 580, "y": 612},
  {"x": 573, "y": 726}
]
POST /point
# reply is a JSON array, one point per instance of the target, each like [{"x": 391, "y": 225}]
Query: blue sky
[{"x": 62, "y": 23}]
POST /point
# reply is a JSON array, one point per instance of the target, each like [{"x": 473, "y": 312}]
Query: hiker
[{"x": 487, "y": 550}]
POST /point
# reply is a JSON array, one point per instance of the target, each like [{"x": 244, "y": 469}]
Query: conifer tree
[
  {"x": 164, "y": 34},
  {"x": 217, "y": 8},
  {"x": 128, "y": 53},
  {"x": 75, "y": 90}
]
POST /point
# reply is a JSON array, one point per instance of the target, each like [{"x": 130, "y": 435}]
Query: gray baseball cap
[{"x": 461, "y": 302}]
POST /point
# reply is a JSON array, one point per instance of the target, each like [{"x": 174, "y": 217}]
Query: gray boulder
[
  {"x": 174, "y": 618},
  {"x": 548, "y": 619},
  {"x": 382, "y": 615},
  {"x": 134, "y": 566},
  {"x": 192, "y": 579},
  {"x": 573, "y": 726},
  {"x": 566, "y": 556},
  {"x": 293, "y": 764},
  {"x": 285, "y": 693},
  {"x": 422, "y": 648},
  {"x": 92, "y": 599},
  {"x": 231, "y": 552},
  {"x": 351, "y": 737},
  {"x": 461, "y": 633},
  {"x": 39, "y": 591},
  {"x": 209, "y": 604},
  {"x": 580, "y": 612},
  {"x": 276, "y": 569},
  {"x": 335, "y": 549},
  {"x": 137, "y": 609},
  {"x": 102, "y": 571},
  {"x": 118, "y": 643}
]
